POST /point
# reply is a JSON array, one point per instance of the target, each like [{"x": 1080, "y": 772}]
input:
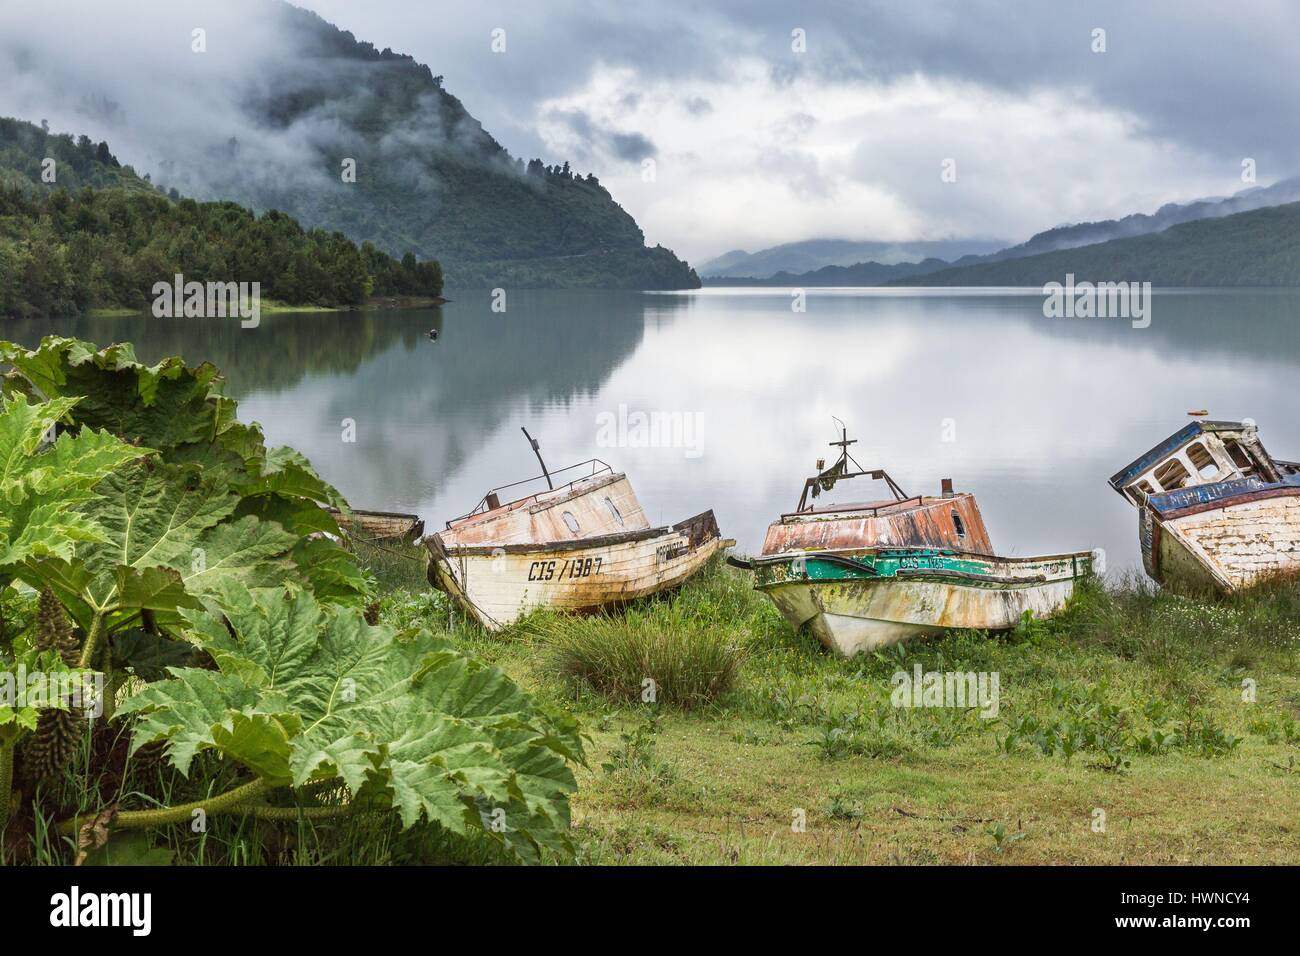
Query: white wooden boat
[
  {"x": 1216, "y": 511},
  {"x": 855, "y": 601},
  {"x": 580, "y": 546},
  {"x": 863, "y": 576}
]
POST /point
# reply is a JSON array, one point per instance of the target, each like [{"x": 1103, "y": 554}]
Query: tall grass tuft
[{"x": 688, "y": 645}]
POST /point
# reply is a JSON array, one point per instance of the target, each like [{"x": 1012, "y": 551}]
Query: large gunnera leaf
[
  {"x": 306, "y": 692},
  {"x": 164, "y": 542},
  {"x": 181, "y": 412},
  {"x": 44, "y": 481}
]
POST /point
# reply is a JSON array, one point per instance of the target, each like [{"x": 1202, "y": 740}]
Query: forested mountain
[
  {"x": 1141, "y": 224},
  {"x": 428, "y": 178},
  {"x": 746, "y": 269},
  {"x": 100, "y": 236},
  {"x": 1258, "y": 248}
]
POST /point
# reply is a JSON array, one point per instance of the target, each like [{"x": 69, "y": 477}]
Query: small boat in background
[
  {"x": 379, "y": 525},
  {"x": 864, "y": 576},
  {"x": 1216, "y": 511},
  {"x": 583, "y": 545}
]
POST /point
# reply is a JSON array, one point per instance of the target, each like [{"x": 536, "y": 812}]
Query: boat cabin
[
  {"x": 947, "y": 520},
  {"x": 1203, "y": 453},
  {"x": 593, "y": 505}
]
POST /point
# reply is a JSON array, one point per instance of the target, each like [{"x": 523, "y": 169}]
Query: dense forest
[
  {"x": 101, "y": 237},
  {"x": 1257, "y": 248},
  {"x": 428, "y": 178}
]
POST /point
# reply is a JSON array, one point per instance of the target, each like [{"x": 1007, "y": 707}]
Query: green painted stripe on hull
[{"x": 920, "y": 564}]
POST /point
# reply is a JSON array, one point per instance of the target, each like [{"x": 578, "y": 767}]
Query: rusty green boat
[
  {"x": 860, "y": 600},
  {"x": 866, "y": 575}
]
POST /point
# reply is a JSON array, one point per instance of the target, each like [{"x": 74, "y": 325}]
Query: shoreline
[{"x": 272, "y": 307}]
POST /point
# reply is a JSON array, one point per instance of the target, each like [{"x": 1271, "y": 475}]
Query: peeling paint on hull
[
  {"x": 1221, "y": 549},
  {"x": 498, "y": 589},
  {"x": 913, "y": 593},
  {"x": 1216, "y": 511},
  {"x": 921, "y": 522}
]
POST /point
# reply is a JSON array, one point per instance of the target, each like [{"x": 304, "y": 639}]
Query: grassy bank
[
  {"x": 763, "y": 748},
  {"x": 1131, "y": 703}
]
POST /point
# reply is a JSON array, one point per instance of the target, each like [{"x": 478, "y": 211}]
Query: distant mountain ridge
[
  {"x": 813, "y": 254},
  {"x": 1259, "y": 248},
  {"x": 1141, "y": 224},
  {"x": 1059, "y": 239}
]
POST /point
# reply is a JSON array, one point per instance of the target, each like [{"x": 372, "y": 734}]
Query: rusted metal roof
[{"x": 953, "y": 522}]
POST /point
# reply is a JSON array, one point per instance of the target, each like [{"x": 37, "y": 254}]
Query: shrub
[{"x": 691, "y": 662}]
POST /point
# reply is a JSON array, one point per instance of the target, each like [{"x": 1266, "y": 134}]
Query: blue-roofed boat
[{"x": 1216, "y": 511}]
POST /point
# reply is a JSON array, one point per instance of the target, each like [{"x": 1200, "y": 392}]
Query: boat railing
[
  {"x": 872, "y": 510},
  {"x": 588, "y": 469}
]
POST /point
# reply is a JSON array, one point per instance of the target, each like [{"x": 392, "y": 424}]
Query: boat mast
[
  {"x": 537, "y": 450},
  {"x": 825, "y": 479}
]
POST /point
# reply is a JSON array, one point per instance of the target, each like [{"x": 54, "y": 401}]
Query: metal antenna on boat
[
  {"x": 844, "y": 443},
  {"x": 537, "y": 450},
  {"x": 826, "y": 478}
]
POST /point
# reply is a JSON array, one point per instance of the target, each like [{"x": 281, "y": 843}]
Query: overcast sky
[{"x": 755, "y": 143}]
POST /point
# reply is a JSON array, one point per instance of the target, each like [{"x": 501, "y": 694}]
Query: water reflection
[{"x": 1041, "y": 410}]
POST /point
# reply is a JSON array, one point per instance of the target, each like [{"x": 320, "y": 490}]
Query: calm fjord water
[{"x": 1040, "y": 411}]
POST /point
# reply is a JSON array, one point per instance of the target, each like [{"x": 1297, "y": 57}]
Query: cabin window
[
  {"x": 1239, "y": 457},
  {"x": 1203, "y": 461},
  {"x": 570, "y": 521},
  {"x": 1172, "y": 475},
  {"x": 613, "y": 510},
  {"x": 1140, "y": 489},
  {"x": 957, "y": 523}
]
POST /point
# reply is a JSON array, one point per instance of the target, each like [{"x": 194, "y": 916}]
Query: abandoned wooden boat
[
  {"x": 859, "y": 600},
  {"x": 863, "y": 576},
  {"x": 578, "y": 546},
  {"x": 379, "y": 525},
  {"x": 1216, "y": 511}
]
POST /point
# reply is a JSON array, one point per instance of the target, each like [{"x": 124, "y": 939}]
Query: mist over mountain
[
  {"x": 966, "y": 269},
  {"x": 1141, "y": 224},
  {"x": 268, "y": 105},
  {"x": 1259, "y": 248},
  {"x": 100, "y": 237},
  {"x": 812, "y": 254}
]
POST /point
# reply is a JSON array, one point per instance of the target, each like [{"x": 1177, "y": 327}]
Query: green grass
[
  {"x": 1134, "y": 703},
  {"x": 680, "y": 652},
  {"x": 1131, "y": 703}
]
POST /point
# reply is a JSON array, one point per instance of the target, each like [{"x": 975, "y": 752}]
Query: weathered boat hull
[
  {"x": 498, "y": 585},
  {"x": 1221, "y": 537},
  {"x": 858, "y": 602},
  {"x": 379, "y": 525}
]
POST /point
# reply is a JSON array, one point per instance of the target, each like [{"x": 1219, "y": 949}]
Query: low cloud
[
  {"x": 776, "y": 162},
  {"x": 588, "y": 139}
]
